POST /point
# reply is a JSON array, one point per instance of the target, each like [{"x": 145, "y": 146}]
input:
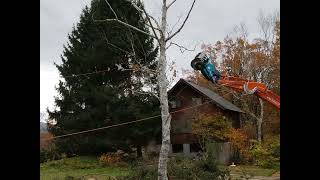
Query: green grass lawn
[
  {"x": 87, "y": 167},
  {"x": 251, "y": 170},
  {"x": 79, "y": 167}
]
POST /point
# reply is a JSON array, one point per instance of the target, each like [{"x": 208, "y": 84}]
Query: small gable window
[{"x": 175, "y": 103}]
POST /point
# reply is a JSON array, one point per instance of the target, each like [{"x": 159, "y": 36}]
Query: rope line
[{"x": 130, "y": 122}]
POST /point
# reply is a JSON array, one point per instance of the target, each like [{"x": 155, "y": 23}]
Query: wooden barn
[{"x": 185, "y": 94}]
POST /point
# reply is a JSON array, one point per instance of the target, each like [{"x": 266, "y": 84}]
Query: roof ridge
[{"x": 214, "y": 96}]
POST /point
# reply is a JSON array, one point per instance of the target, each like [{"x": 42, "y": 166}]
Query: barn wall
[
  {"x": 181, "y": 123},
  {"x": 222, "y": 152}
]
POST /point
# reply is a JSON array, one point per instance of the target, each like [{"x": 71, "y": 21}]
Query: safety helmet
[{"x": 198, "y": 61}]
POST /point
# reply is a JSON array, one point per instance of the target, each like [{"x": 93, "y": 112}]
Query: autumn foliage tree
[
  {"x": 211, "y": 127},
  {"x": 218, "y": 128},
  {"x": 240, "y": 144},
  {"x": 257, "y": 60}
]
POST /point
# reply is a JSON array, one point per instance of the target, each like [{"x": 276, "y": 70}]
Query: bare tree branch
[
  {"x": 171, "y": 4},
  {"x": 154, "y": 32},
  {"x": 153, "y": 27},
  {"x": 175, "y": 25},
  {"x": 112, "y": 9},
  {"x": 121, "y": 22},
  {"x": 128, "y": 25},
  {"x": 182, "y": 48},
  {"x": 132, "y": 46},
  {"x": 147, "y": 93},
  {"x": 155, "y": 21},
  {"x": 111, "y": 44},
  {"x": 133, "y": 53},
  {"x": 185, "y": 20},
  {"x": 135, "y": 6},
  {"x": 147, "y": 15},
  {"x": 141, "y": 68}
]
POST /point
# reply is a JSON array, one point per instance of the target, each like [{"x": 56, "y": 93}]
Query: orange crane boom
[
  {"x": 202, "y": 63},
  {"x": 251, "y": 87}
]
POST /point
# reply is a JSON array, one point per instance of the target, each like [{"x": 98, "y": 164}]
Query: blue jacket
[{"x": 209, "y": 71}]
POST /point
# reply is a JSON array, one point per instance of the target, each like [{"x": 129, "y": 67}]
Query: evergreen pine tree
[{"x": 103, "y": 94}]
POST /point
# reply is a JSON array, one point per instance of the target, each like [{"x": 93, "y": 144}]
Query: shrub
[
  {"x": 109, "y": 159},
  {"x": 49, "y": 155},
  {"x": 240, "y": 145},
  {"x": 180, "y": 167},
  {"x": 74, "y": 163},
  {"x": 208, "y": 167},
  {"x": 130, "y": 159},
  {"x": 220, "y": 129},
  {"x": 267, "y": 154},
  {"x": 186, "y": 168},
  {"x": 212, "y": 127},
  {"x": 143, "y": 172},
  {"x": 112, "y": 159}
]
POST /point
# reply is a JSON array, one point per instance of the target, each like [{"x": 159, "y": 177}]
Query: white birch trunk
[
  {"x": 259, "y": 123},
  {"x": 162, "y": 77},
  {"x": 163, "y": 84}
]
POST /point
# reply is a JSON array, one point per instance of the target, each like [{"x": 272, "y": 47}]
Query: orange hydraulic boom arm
[
  {"x": 202, "y": 63},
  {"x": 251, "y": 87}
]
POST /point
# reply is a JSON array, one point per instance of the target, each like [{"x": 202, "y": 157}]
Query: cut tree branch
[{"x": 185, "y": 20}]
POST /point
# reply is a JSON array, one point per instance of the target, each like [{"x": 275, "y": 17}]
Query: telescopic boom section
[{"x": 259, "y": 89}]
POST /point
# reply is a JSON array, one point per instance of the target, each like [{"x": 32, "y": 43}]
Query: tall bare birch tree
[{"x": 162, "y": 37}]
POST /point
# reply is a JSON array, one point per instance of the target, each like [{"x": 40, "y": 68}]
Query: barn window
[
  {"x": 177, "y": 148},
  {"x": 173, "y": 104},
  {"x": 195, "y": 147},
  {"x": 176, "y": 103}
]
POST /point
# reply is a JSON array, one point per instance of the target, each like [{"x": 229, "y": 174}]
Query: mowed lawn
[
  {"x": 89, "y": 167},
  {"x": 253, "y": 172},
  {"x": 78, "y": 167}
]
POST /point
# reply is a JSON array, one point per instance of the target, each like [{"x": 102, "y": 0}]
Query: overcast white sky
[{"x": 210, "y": 21}]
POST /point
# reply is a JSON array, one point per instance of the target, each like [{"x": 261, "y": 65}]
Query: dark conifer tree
[{"x": 95, "y": 93}]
